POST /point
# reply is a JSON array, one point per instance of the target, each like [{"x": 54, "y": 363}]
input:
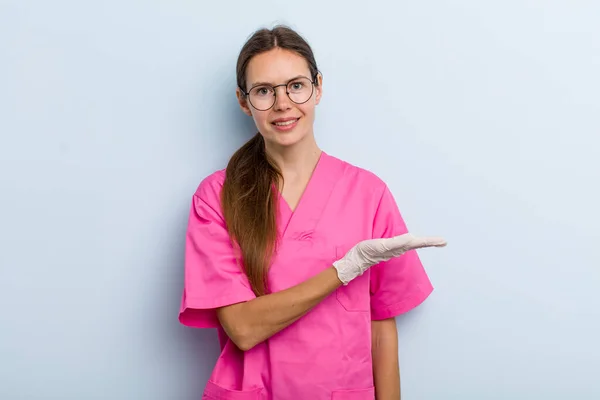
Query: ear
[
  {"x": 243, "y": 102},
  {"x": 319, "y": 89}
]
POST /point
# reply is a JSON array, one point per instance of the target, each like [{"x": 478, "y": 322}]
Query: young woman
[{"x": 300, "y": 260}]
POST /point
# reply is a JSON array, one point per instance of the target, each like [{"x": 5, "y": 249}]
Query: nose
[{"x": 282, "y": 101}]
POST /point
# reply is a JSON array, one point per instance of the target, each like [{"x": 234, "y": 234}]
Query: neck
[{"x": 296, "y": 161}]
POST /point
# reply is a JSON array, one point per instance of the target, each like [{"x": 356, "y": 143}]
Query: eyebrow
[{"x": 272, "y": 84}]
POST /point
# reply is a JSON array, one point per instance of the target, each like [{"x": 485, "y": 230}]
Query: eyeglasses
[{"x": 262, "y": 97}]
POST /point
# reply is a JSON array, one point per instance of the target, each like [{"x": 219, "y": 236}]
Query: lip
[
  {"x": 285, "y": 128},
  {"x": 283, "y": 119}
]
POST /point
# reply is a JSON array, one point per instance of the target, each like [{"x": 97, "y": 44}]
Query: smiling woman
[
  {"x": 299, "y": 259},
  {"x": 281, "y": 84}
]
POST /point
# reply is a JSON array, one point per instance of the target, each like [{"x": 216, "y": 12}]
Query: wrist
[{"x": 345, "y": 271}]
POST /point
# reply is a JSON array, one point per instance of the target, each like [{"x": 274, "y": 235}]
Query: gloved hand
[{"x": 370, "y": 252}]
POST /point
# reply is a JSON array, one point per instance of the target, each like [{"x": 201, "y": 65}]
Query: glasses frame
[{"x": 312, "y": 90}]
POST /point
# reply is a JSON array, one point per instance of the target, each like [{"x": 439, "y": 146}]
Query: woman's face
[{"x": 286, "y": 123}]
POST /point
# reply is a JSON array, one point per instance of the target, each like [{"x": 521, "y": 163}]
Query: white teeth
[{"x": 286, "y": 123}]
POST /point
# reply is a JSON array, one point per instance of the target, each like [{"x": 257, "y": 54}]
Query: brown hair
[{"x": 248, "y": 197}]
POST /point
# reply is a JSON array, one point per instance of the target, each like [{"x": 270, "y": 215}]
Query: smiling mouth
[{"x": 286, "y": 123}]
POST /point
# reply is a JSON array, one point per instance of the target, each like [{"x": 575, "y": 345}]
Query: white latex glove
[{"x": 370, "y": 252}]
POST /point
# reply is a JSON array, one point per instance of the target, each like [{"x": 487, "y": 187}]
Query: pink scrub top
[{"x": 325, "y": 355}]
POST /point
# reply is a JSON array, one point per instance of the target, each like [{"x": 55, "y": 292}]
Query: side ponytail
[
  {"x": 250, "y": 209},
  {"x": 249, "y": 197}
]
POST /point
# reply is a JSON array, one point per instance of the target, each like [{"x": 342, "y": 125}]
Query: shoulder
[
  {"x": 360, "y": 177},
  {"x": 209, "y": 188}
]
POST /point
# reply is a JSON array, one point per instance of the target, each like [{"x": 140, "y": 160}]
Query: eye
[
  {"x": 261, "y": 91},
  {"x": 296, "y": 85}
]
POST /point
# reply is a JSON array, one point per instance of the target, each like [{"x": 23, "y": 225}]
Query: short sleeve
[
  {"x": 400, "y": 284},
  {"x": 213, "y": 278}
]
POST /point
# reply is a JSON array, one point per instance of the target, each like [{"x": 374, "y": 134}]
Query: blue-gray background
[{"x": 483, "y": 117}]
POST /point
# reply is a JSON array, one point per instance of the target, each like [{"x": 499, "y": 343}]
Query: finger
[
  {"x": 409, "y": 241},
  {"x": 428, "y": 241}
]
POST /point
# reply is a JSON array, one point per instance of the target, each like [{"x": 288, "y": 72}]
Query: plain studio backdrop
[{"x": 483, "y": 118}]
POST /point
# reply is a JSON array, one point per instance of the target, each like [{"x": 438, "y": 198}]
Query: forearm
[
  {"x": 252, "y": 322},
  {"x": 386, "y": 369}
]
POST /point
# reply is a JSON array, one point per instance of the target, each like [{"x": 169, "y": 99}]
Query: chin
[{"x": 286, "y": 139}]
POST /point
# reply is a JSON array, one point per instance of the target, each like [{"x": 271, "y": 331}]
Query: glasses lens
[
  {"x": 262, "y": 97},
  {"x": 300, "y": 90}
]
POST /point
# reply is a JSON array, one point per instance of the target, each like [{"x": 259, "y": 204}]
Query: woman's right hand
[{"x": 370, "y": 252}]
